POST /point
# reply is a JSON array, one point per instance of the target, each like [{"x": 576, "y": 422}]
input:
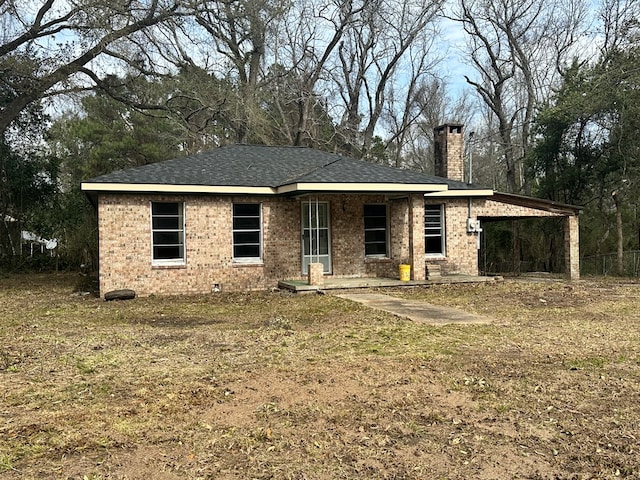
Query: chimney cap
[{"x": 451, "y": 127}]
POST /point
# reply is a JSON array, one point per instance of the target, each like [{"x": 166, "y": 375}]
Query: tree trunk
[
  {"x": 619, "y": 235},
  {"x": 515, "y": 230}
]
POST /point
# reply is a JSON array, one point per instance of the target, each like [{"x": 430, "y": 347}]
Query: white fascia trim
[
  {"x": 161, "y": 188},
  {"x": 461, "y": 193},
  {"x": 431, "y": 189},
  {"x": 361, "y": 187}
]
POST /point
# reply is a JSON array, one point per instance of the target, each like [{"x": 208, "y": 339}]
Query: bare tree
[
  {"x": 58, "y": 41},
  {"x": 389, "y": 44},
  {"x": 240, "y": 31},
  {"x": 264, "y": 60},
  {"x": 312, "y": 34},
  {"x": 515, "y": 46},
  {"x": 619, "y": 23},
  {"x": 430, "y": 106},
  {"x": 411, "y": 108}
]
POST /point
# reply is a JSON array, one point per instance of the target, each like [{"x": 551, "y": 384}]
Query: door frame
[{"x": 307, "y": 208}]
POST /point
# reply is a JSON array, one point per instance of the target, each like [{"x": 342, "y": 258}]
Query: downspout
[
  {"x": 309, "y": 210},
  {"x": 473, "y": 225},
  {"x": 470, "y": 174}
]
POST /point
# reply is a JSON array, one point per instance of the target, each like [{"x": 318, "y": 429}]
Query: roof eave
[
  {"x": 176, "y": 189},
  {"x": 263, "y": 190}
]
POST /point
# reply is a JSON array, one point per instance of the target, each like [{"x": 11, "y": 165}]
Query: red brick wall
[
  {"x": 461, "y": 254},
  {"x": 125, "y": 243}
]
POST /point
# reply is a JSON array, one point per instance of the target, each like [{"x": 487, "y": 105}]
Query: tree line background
[{"x": 551, "y": 91}]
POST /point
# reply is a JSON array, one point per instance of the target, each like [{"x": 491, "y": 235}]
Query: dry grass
[{"x": 314, "y": 387}]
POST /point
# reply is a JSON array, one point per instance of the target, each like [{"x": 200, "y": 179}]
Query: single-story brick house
[{"x": 244, "y": 217}]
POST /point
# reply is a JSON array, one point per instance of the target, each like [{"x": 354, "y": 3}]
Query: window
[
  {"x": 167, "y": 233},
  {"x": 247, "y": 232},
  {"x": 434, "y": 232},
  {"x": 375, "y": 230}
]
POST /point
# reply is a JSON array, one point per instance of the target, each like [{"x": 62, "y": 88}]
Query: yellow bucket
[{"x": 405, "y": 272}]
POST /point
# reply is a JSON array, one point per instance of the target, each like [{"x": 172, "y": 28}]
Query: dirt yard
[{"x": 277, "y": 386}]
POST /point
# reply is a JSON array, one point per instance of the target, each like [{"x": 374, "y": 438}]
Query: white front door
[{"x": 316, "y": 235}]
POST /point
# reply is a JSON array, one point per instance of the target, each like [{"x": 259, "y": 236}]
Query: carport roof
[{"x": 536, "y": 203}]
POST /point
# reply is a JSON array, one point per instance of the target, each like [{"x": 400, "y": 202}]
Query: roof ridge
[
  {"x": 311, "y": 170},
  {"x": 252, "y": 145}
]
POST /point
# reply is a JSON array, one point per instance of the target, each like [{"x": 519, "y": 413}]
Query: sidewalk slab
[{"x": 417, "y": 310}]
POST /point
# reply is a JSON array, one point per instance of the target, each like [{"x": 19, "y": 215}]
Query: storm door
[{"x": 316, "y": 238}]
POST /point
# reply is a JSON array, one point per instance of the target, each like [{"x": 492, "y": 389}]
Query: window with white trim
[
  {"x": 167, "y": 233},
  {"x": 375, "y": 230},
  {"x": 434, "y": 230},
  {"x": 247, "y": 232}
]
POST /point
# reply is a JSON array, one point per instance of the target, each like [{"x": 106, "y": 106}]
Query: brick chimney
[{"x": 448, "y": 146}]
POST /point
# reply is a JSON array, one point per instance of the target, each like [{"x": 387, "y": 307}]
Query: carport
[{"x": 506, "y": 206}]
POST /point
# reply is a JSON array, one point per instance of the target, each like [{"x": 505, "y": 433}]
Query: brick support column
[
  {"x": 571, "y": 247},
  {"x": 316, "y": 275},
  {"x": 416, "y": 237}
]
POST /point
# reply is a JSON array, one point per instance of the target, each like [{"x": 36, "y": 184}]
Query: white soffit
[
  {"x": 461, "y": 193},
  {"x": 361, "y": 187}
]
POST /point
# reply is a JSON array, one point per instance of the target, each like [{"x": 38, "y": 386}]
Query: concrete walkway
[{"x": 416, "y": 310}]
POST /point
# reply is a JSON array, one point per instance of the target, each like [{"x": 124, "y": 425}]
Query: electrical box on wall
[{"x": 473, "y": 225}]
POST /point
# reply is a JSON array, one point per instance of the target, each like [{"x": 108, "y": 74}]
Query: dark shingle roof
[
  {"x": 348, "y": 170},
  {"x": 267, "y": 166},
  {"x": 236, "y": 165}
]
